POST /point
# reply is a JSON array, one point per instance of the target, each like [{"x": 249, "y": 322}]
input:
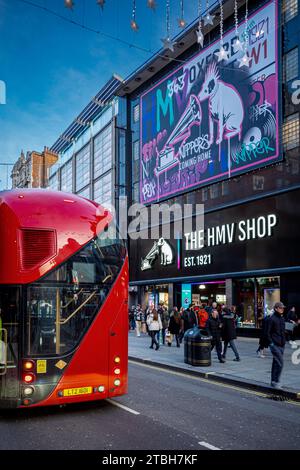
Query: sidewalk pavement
[{"x": 251, "y": 372}]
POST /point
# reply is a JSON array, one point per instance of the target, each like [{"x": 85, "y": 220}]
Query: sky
[{"x": 53, "y": 68}]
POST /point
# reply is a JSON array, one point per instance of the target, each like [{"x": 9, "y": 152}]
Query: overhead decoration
[
  {"x": 181, "y": 20},
  {"x": 167, "y": 42},
  {"x": 238, "y": 44},
  {"x": 151, "y": 4},
  {"x": 222, "y": 54},
  {"x": 208, "y": 18},
  {"x": 69, "y": 4},
  {"x": 200, "y": 35},
  {"x": 101, "y": 3},
  {"x": 245, "y": 61},
  {"x": 133, "y": 24}
]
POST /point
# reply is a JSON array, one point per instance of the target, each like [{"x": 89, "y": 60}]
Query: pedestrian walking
[
  {"x": 276, "y": 338},
  {"x": 174, "y": 327},
  {"x": 189, "y": 319},
  {"x": 292, "y": 321},
  {"x": 229, "y": 333},
  {"x": 138, "y": 320},
  {"x": 154, "y": 325},
  {"x": 214, "y": 326},
  {"x": 144, "y": 322},
  {"x": 263, "y": 340},
  {"x": 202, "y": 316},
  {"x": 164, "y": 316}
]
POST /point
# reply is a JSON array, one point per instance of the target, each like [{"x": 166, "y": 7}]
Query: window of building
[
  {"x": 85, "y": 193},
  {"x": 136, "y": 113},
  {"x": 289, "y": 9},
  {"x": 136, "y": 150},
  {"x": 136, "y": 192},
  {"x": 290, "y": 132},
  {"x": 54, "y": 182},
  {"x": 67, "y": 177},
  {"x": 103, "y": 152},
  {"x": 103, "y": 190},
  {"x": 83, "y": 159},
  {"x": 290, "y": 65}
]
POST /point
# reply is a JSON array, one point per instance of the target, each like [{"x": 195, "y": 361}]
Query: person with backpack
[
  {"x": 189, "y": 319},
  {"x": 203, "y": 317},
  {"x": 154, "y": 325},
  {"x": 214, "y": 326},
  {"x": 229, "y": 333}
]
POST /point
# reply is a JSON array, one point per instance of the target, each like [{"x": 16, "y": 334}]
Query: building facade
[
  {"x": 92, "y": 150},
  {"x": 235, "y": 158},
  {"x": 33, "y": 170}
]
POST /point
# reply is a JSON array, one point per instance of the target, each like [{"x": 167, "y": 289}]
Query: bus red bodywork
[{"x": 40, "y": 232}]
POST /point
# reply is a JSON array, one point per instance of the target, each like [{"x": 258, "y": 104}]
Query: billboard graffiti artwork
[{"x": 210, "y": 120}]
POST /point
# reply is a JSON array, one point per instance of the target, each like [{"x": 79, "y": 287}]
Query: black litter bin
[{"x": 197, "y": 347}]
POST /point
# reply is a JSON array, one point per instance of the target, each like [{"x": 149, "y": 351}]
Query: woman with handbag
[
  {"x": 154, "y": 325},
  {"x": 174, "y": 327}
]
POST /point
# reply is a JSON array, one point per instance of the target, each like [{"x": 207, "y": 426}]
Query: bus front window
[{"x": 64, "y": 303}]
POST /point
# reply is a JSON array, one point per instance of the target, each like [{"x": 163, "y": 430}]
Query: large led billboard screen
[{"x": 210, "y": 120}]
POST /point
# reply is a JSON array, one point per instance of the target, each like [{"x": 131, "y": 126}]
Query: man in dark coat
[
  {"x": 229, "y": 333},
  {"x": 213, "y": 326},
  {"x": 276, "y": 338}
]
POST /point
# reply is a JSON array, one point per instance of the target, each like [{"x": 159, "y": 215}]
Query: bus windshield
[{"x": 62, "y": 305}]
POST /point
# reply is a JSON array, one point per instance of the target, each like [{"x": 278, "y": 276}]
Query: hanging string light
[
  {"x": 222, "y": 54},
  {"x": 238, "y": 44},
  {"x": 181, "y": 20},
  {"x": 69, "y": 4},
  {"x": 101, "y": 4},
  {"x": 208, "y": 19},
  {"x": 167, "y": 42},
  {"x": 200, "y": 36},
  {"x": 245, "y": 61},
  {"x": 151, "y": 4},
  {"x": 133, "y": 24}
]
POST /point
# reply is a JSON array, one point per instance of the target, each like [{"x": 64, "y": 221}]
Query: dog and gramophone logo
[{"x": 161, "y": 250}]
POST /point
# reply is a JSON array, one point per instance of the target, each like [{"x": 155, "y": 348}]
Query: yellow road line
[{"x": 201, "y": 379}]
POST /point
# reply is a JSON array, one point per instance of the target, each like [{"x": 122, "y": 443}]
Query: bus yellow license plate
[{"x": 71, "y": 392}]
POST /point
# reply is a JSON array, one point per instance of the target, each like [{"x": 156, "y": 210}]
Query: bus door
[{"x": 9, "y": 342}]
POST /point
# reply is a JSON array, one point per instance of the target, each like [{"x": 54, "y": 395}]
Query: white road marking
[
  {"x": 115, "y": 403},
  {"x": 208, "y": 446}
]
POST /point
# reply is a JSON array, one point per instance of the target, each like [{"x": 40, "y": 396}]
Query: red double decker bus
[{"x": 63, "y": 300}]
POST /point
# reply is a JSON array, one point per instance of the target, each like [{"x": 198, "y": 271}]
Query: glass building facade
[{"x": 92, "y": 158}]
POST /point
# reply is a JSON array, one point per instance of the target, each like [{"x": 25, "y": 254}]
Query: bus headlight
[
  {"x": 117, "y": 383},
  {"x": 28, "y": 391}
]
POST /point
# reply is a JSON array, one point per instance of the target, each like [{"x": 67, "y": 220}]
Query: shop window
[
  {"x": 290, "y": 132},
  {"x": 289, "y": 9},
  {"x": 290, "y": 65}
]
